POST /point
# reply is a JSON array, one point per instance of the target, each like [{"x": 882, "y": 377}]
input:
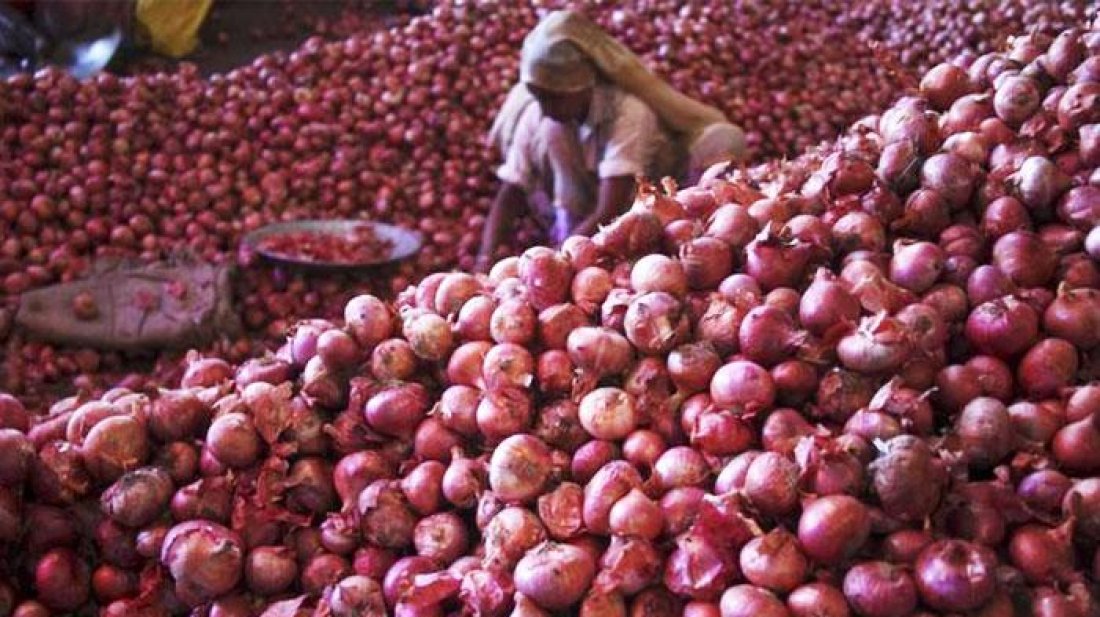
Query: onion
[
  {"x": 441, "y": 537},
  {"x": 916, "y": 266},
  {"x": 475, "y": 318},
  {"x": 767, "y": 335},
  {"x": 614, "y": 480},
  {"x": 774, "y": 561},
  {"x": 503, "y": 412},
  {"x": 825, "y": 303},
  {"x": 1043, "y": 555},
  {"x": 954, "y": 575},
  {"x": 519, "y": 467},
  {"x": 368, "y": 319},
  {"x": 269, "y": 570},
  {"x": 555, "y": 576},
  {"x": 513, "y": 321},
  {"x": 463, "y": 480},
  {"x": 1074, "y": 315},
  {"x": 880, "y": 344},
  {"x": 384, "y": 515},
  {"x": 608, "y": 413},
  {"x": 561, "y": 511},
  {"x": 1024, "y": 258},
  {"x": 817, "y": 599},
  {"x": 985, "y": 432},
  {"x": 114, "y": 446},
  {"x": 879, "y": 589},
  {"x": 679, "y": 467},
  {"x": 599, "y": 350},
  {"x": 751, "y": 601},
  {"x": 774, "y": 260},
  {"x": 743, "y": 384},
  {"x": 546, "y": 276},
  {"x": 1047, "y": 367},
  {"x": 429, "y": 335},
  {"x": 833, "y": 528},
  {"x": 138, "y": 497},
  {"x": 906, "y": 479},
  {"x": 62, "y": 580},
  {"x": 510, "y": 534},
  {"x": 397, "y": 409},
  {"x": 205, "y": 559},
  {"x": 771, "y": 484},
  {"x": 393, "y": 359}
]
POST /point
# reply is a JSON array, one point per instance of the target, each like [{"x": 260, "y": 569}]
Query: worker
[{"x": 586, "y": 118}]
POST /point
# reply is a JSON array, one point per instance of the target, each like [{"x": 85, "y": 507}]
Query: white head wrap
[{"x": 566, "y": 52}]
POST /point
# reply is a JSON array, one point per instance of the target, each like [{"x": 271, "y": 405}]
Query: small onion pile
[{"x": 862, "y": 382}]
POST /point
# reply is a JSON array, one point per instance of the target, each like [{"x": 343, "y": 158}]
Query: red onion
[
  {"x": 751, "y": 601},
  {"x": 474, "y": 318},
  {"x": 916, "y": 266},
  {"x": 774, "y": 561},
  {"x": 954, "y": 575},
  {"x": 599, "y": 350},
  {"x": 1024, "y": 258},
  {"x": 384, "y": 515},
  {"x": 680, "y": 466},
  {"x": 771, "y": 484},
  {"x": 833, "y": 528},
  {"x": 880, "y": 589},
  {"x": 817, "y": 599},
  {"x": 519, "y": 467},
  {"x": 397, "y": 409},
  {"x": 463, "y": 480},
  {"x": 743, "y": 384},
  {"x": 555, "y": 576},
  {"x": 608, "y": 413},
  {"x": 509, "y": 535},
  {"x": 906, "y": 479},
  {"x": 985, "y": 432},
  {"x": 62, "y": 580},
  {"x": 205, "y": 559},
  {"x": 654, "y": 323},
  {"x": 546, "y": 276},
  {"x": 1047, "y": 367},
  {"x": 880, "y": 344},
  {"x": 393, "y": 359},
  {"x": 269, "y": 570},
  {"x": 368, "y": 319},
  {"x": 611, "y": 482},
  {"x": 1074, "y": 315},
  {"x": 767, "y": 335},
  {"x": 513, "y": 321}
]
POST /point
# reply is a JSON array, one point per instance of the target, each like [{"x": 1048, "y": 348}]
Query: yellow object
[{"x": 172, "y": 25}]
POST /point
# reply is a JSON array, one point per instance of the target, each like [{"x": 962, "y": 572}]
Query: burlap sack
[{"x": 141, "y": 307}]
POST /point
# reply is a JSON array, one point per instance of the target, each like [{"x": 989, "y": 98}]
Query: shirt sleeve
[
  {"x": 631, "y": 141},
  {"x": 517, "y": 167}
]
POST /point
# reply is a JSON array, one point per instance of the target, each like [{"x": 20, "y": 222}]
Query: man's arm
[
  {"x": 502, "y": 215},
  {"x": 615, "y": 196}
]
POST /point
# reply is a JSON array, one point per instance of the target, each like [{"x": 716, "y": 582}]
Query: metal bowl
[{"x": 406, "y": 242}]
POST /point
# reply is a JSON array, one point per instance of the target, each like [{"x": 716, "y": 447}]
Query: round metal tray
[{"x": 406, "y": 242}]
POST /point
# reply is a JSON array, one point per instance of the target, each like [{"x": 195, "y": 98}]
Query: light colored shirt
[{"x": 620, "y": 137}]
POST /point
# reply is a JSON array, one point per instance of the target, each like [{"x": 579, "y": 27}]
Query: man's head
[{"x": 559, "y": 76}]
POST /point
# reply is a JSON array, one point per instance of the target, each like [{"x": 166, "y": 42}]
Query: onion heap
[
  {"x": 371, "y": 118},
  {"x": 878, "y": 397}
]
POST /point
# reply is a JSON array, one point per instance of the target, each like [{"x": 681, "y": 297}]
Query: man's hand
[
  {"x": 615, "y": 196},
  {"x": 509, "y": 201}
]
